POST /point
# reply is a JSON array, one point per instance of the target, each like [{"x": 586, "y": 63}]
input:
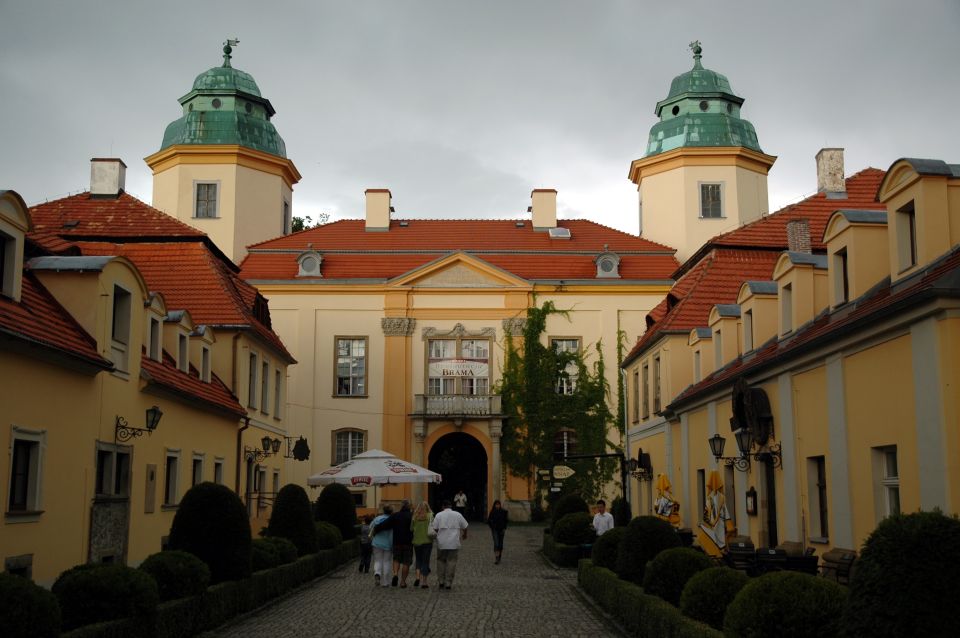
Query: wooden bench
[{"x": 838, "y": 564}]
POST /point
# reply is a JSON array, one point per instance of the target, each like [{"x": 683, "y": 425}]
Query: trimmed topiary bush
[
  {"x": 106, "y": 592},
  {"x": 178, "y": 574},
  {"x": 620, "y": 510},
  {"x": 606, "y": 548},
  {"x": 668, "y": 573},
  {"x": 807, "y": 605},
  {"x": 291, "y": 519},
  {"x": 327, "y": 535},
  {"x": 335, "y": 505},
  {"x": 27, "y": 610},
  {"x": 263, "y": 555},
  {"x": 211, "y": 523},
  {"x": 567, "y": 504},
  {"x": 707, "y": 594},
  {"x": 286, "y": 550},
  {"x": 575, "y": 529},
  {"x": 905, "y": 581},
  {"x": 645, "y": 537}
]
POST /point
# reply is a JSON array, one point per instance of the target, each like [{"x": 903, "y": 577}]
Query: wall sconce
[
  {"x": 744, "y": 438},
  {"x": 641, "y": 468},
  {"x": 123, "y": 432},
  {"x": 270, "y": 447}
]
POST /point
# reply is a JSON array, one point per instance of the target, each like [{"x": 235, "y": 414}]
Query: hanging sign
[
  {"x": 554, "y": 489},
  {"x": 458, "y": 368},
  {"x": 562, "y": 471}
]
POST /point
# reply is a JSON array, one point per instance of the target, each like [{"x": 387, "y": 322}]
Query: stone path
[{"x": 523, "y": 596}]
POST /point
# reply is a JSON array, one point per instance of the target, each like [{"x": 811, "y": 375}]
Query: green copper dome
[
  {"x": 701, "y": 110},
  {"x": 225, "y": 107}
]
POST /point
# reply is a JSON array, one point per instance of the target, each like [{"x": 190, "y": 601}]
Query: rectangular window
[
  {"x": 701, "y": 494},
  {"x": 261, "y": 486},
  {"x": 276, "y": 482},
  {"x": 841, "y": 277},
  {"x": 907, "y": 236},
  {"x": 6, "y": 248},
  {"x": 252, "y": 382},
  {"x": 748, "y": 331},
  {"x": 458, "y": 366},
  {"x": 359, "y": 498},
  {"x": 351, "y": 366},
  {"x": 347, "y": 444},
  {"x": 646, "y": 391},
  {"x": 196, "y": 473},
  {"x": 120, "y": 329},
  {"x": 170, "y": 477},
  {"x": 183, "y": 362},
  {"x": 717, "y": 350},
  {"x": 786, "y": 308},
  {"x": 265, "y": 387},
  {"x": 710, "y": 201},
  {"x": 656, "y": 384},
  {"x": 889, "y": 480},
  {"x": 113, "y": 471},
  {"x": 696, "y": 366},
  {"x": 287, "y": 220},
  {"x": 817, "y": 490},
  {"x": 730, "y": 492},
  {"x": 218, "y": 471},
  {"x": 155, "y": 340},
  {"x": 636, "y": 395},
  {"x": 206, "y": 200},
  {"x": 205, "y": 364},
  {"x": 567, "y": 378},
  {"x": 277, "y": 393},
  {"x": 25, "y": 462}
]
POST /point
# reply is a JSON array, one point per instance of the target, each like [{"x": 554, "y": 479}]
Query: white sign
[
  {"x": 562, "y": 471},
  {"x": 458, "y": 368},
  {"x": 554, "y": 489}
]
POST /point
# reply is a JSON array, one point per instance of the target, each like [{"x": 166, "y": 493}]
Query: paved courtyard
[{"x": 523, "y": 596}]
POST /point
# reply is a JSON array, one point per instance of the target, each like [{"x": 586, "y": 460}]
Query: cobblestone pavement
[{"x": 523, "y": 596}]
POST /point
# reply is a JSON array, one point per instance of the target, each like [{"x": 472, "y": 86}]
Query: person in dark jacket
[
  {"x": 497, "y": 520},
  {"x": 399, "y": 522}
]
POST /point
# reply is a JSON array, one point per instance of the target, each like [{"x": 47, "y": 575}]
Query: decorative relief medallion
[
  {"x": 398, "y": 326},
  {"x": 514, "y": 327},
  {"x": 458, "y": 331}
]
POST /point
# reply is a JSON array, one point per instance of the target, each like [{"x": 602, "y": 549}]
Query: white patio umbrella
[{"x": 374, "y": 467}]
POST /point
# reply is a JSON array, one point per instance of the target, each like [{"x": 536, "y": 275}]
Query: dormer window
[
  {"x": 7, "y": 252},
  {"x": 786, "y": 308},
  {"x": 205, "y": 364},
  {"x": 183, "y": 364},
  {"x": 310, "y": 262},
  {"x": 608, "y": 265},
  {"x": 907, "y": 237},
  {"x": 748, "y": 331},
  {"x": 120, "y": 328},
  {"x": 841, "y": 276},
  {"x": 155, "y": 341}
]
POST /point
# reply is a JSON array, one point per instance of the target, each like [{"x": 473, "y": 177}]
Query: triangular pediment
[{"x": 459, "y": 270}]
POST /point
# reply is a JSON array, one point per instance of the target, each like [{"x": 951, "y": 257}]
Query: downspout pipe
[
  {"x": 246, "y": 424},
  {"x": 627, "y": 488}
]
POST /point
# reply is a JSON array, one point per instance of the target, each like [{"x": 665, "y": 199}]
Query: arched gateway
[{"x": 462, "y": 460}]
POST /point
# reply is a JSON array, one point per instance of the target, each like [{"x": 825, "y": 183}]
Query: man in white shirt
[
  {"x": 449, "y": 527},
  {"x": 460, "y": 503},
  {"x": 602, "y": 520}
]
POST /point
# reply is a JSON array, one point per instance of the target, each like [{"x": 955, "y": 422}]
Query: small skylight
[
  {"x": 559, "y": 233},
  {"x": 404, "y": 223},
  {"x": 519, "y": 224}
]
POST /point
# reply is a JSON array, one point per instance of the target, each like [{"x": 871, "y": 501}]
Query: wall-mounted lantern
[
  {"x": 270, "y": 448},
  {"x": 123, "y": 432}
]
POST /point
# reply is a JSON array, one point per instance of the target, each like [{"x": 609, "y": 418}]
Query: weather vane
[
  {"x": 228, "y": 49},
  {"x": 697, "y": 50}
]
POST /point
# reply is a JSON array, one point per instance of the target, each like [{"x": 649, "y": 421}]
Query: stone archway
[{"x": 462, "y": 461}]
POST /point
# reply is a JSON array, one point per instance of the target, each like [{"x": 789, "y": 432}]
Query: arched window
[{"x": 347, "y": 443}]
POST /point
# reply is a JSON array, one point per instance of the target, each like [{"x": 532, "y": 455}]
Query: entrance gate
[{"x": 462, "y": 461}]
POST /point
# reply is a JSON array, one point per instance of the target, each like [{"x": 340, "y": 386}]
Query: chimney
[
  {"x": 830, "y": 173},
  {"x": 378, "y": 210},
  {"x": 107, "y": 177},
  {"x": 543, "y": 205},
  {"x": 798, "y": 236}
]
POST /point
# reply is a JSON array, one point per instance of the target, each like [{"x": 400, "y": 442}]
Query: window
[
  {"x": 26, "y": 455},
  {"x": 717, "y": 350},
  {"x": 359, "y": 498},
  {"x": 567, "y": 378},
  {"x": 205, "y": 364},
  {"x": 287, "y": 220},
  {"x": 817, "y": 496},
  {"x": 170, "y": 477},
  {"x": 730, "y": 492},
  {"x": 218, "y": 471},
  {"x": 710, "y": 201},
  {"x": 252, "y": 382},
  {"x": 7, "y": 251},
  {"x": 841, "y": 277},
  {"x": 786, "y": 308},
  {"x": 155, "y": 340},
  {"x": 277, "y": 394},
  {"x": 889, "y": 480},
  {"x": 347, "y": 444},
  {"x": 351, "y": 366},
  {"x": 113, "y": 470},
  {"x": 120, "y": 329},
  {"x": 646, "y": 391},
  {"x": 656, "y": 384},
  {"x": 748, "y": 331},
  {"x": 701, "y": 494},
  {"x": 565, "y": 443},
  {"x": 636, "y": 395},
  {"x": 206, "y": 200},
  {"x": 261, "y": 486},
  {"x": 265, "y": 387},
  {"x": 458, "y": 366},
  {"x": 907, "y": 236},
  {"x": 196, "y": 473},
  {"x": 696, "y": 366},
  {"x": 183, "y": 363}
]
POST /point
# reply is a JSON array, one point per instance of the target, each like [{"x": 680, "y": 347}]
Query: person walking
[
  {"x": 366, "y": 546},
  {"x": 422, "y": 543},
  {"x": 450, "y": 528},
  {"x": 382, "y": 542},
  {"x": 399, "y": 524},
  {"x": 460, "y": 503},
  {"x": 497, "y": 520},
  {"x": 602, "y": 520}
]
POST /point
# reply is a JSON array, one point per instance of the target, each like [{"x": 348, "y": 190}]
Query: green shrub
[
  {"x": 106, "y": 592},
  {"x": 336, "y": 505},
  {"x": 620, "y": 510},
  {"x": 285, "y": 549},
  {"x": 291, "y": 519},
  {"x": 27, "y": 610},
  {"x": 668, "y": 573},
  {"x": 707, "y": 594},
  {"x": 575, "y": 529},
  {"x": 905, "y": 581},
  {"x": 263, "y": 555},
  {"x": 645, "y": 537},
  {"x": 561, "y": 554},
  {"x": 211, "y": 523},
  {"x": 178, "y": 574},
  {"x": 606, "y": 548},
  {"x": 567, "y": 504},
  {"x": 807, "y": 605},
  {"x": 327, "y": 535}
]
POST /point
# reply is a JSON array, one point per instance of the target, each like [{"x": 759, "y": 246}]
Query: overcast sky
[{"x": 461, "y": 108}]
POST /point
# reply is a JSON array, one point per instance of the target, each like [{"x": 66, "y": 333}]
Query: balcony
[{"x": 456, "y": 406}]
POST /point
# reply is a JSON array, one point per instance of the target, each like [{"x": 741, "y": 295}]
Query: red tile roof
[
  {"x": 39, "y": 319},
  {"x": 349, "y": 252},
  {"x": 125, "y": 216},
  {"x": 214, "y": 394}
]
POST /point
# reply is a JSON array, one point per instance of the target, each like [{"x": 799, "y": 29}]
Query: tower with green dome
[
  {"x": 222, "y": 166},
  {"x": 703, "y": 172}
]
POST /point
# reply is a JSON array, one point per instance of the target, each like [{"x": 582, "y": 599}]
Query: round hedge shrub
[
  {"x": 28, "y": 610},
  {"x": 645, "y": 537},
  {"x": 178, "y": 574},
  {"x": 707, "y": 594},
  {"x": 575, "y": 529},
  {"x": 335, "y": 505},
  {"x": 905, "y": 581},
  {"x": 263, "y": 555},
  {"x": 105, "y": 592},
  {"x": 620, "y": 510},
  {"x": 327, "y": 535},
  {"x": 807, "y": 605},
  {"x": 285, "y": 550},
  {"x": 291, "y": 519},
  {"x": 567, "y": 504},
  {"x": 668, "y": 573},
  {"x": 211, "y": 523},
  {"x": 606, "y": 547}
]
